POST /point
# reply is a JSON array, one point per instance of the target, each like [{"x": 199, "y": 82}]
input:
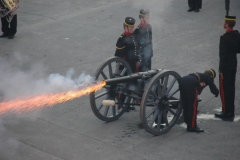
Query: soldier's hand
[{"x": 202, "y": 84}]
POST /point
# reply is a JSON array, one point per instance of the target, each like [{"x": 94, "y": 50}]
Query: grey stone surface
[{"x": 54, "y": 36}]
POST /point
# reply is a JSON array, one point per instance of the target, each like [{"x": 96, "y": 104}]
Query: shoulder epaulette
[
  {"x": 121, "y": 35},
  {"x": 120, "y": 48}
]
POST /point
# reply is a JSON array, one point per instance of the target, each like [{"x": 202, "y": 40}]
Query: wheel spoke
[
  {"x": 170, "y": 95},
  {"x": 174, "y": 101},
  {"x": 155, "y": 114},
  {"x": 165, "y": 85},
  {"x": 106, "y": 111},
  {"x": 100, "y": 95},
  {"x": 154, "y": 94},
  {"x": 170, "y": 110},
  {"x": 151, "y": 111},
  {"x": 99, "y": 107},
  {"x": 171, "y": 85},
  {"x": 123, "y": 71},
  {"x": 104, "y": 75},
  {"x": 151, "y": 103}
]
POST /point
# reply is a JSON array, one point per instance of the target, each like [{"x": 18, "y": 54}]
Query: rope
[
  {"x": 9, "y": 19},
  {"x": 206, "y": 102}
]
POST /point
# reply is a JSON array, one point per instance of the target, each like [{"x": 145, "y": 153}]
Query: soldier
[
  {"x": 228, "y": 49},
  {"x": 190, "y": 87},
  {"x": 127, "y": 47},
  {"x": 143, "y": 34}
]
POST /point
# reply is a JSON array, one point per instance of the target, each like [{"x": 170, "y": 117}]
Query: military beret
[
  {"x": 230, "y": 18},
  {"x": 144, "y": 12},
  {"x": 129, "y": 21}
]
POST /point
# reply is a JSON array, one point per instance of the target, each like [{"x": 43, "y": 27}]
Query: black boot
[
  {"x": 190, "y": 10},
  {"x": 10, "y": 36},
  {"x": 196, "y": 129},
  {"x": 3, "y": 35},
  {"x": 224, "y": 115},
  {"x": 196, "y": 10}
]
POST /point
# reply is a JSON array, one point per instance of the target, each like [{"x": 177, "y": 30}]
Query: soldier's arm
[
  {"x": 120, "y": 47},
  {"x": 222, "y": 54},
  {"x": 213, "y": 88}
]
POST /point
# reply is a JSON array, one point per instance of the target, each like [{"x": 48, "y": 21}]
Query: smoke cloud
[
  {"x": 155, "y": 7},
  {"x": 17, "y": 81}
]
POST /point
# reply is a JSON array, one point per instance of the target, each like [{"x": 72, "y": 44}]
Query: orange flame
[{"x": 28, "y": 104}]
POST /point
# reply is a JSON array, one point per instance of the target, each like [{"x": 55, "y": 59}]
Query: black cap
[
  {"x": 144, "y": 12},
  {"x": 230, "y": 18},
  {"x": 129, "y": 21},
  {"x": 211, "y": 73}
]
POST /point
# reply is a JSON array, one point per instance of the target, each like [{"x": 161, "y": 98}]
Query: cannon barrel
[{"x": 131, "y": 77}]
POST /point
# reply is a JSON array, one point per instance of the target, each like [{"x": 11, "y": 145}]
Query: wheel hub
[{"x": 163, "y": 103}]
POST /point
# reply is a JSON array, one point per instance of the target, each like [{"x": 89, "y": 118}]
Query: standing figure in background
[
  {"x": 143, "y": 33},
  {"x": 9, "y": 24},
  {"x": 194, "y": 5},
  {"x": 190, "y": 87},
  {"x": 228, "y": 48},
  {"x": 127, "y": 46}
]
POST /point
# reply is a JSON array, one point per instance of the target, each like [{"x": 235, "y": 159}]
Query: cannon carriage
[{"x": 155, "y": 91}]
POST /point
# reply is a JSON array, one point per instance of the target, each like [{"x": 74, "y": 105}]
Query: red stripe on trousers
[
  {"x": 194, "y": 117},
  {"x": 137, "y": 69},
  {"x": 222, "y": 93}
]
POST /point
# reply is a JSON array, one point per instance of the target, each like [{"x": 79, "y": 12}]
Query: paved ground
[{"x": 54, "y": 36}]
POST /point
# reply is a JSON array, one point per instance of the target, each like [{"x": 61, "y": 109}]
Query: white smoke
[
  {"x": 16, "y": 82},
  {"x": 157, "y": 10},
  {"x": 19, "y": 80}
]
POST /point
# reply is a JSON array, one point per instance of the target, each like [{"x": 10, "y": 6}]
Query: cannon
[{"x": 155, "y": 91}]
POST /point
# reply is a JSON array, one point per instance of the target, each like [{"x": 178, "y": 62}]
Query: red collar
[
  {"x": 143, "y": 25},
  {"x": 229, "y": 30},
  {"x": 127, "y": 33}
]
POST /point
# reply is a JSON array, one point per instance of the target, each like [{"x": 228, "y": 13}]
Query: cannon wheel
[
  {"x": 161, "y": 105},
  {"x": 112, "y": 68}
]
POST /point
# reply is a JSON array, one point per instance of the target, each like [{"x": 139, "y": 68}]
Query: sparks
[{"x": 28, "y": 104}]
